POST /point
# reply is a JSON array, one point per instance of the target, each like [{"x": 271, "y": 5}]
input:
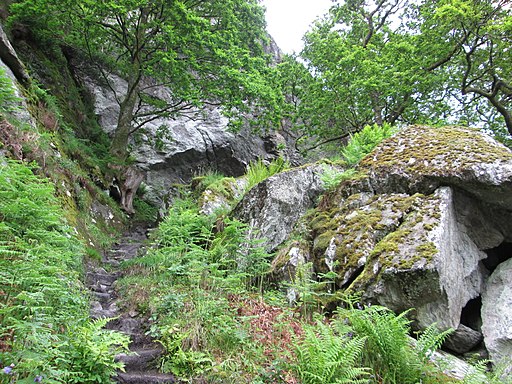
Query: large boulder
[
  {"x": 274, "y": 206},
  {"x": 497, "y": 315},
  {"x": 423, "y": 225},
  {"x": 402, "y": 251},
  {"x": 421, "y": 158}
]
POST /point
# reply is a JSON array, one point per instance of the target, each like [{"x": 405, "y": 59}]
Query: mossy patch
[
  {"x": 423, "y": 150},
  {"x": 373, "y": 232}
]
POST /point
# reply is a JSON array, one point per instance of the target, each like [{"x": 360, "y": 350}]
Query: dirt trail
[{"x": 101, "y": 280}]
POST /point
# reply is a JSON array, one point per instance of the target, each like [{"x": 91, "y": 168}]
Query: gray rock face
[
  {"x": 463, "y": 340},
  {"x": 275, "y": 205},
  {"x": 172, "y": 151},
  {"x": 10, "y": 58},
  {"x": 497, "y": 315}
]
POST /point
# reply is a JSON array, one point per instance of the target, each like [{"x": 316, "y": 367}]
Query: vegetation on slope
[
  {"x": 46, "y": 334},
  {"x": 202, "y": 287},
  {"x": 44, "y": 311}
]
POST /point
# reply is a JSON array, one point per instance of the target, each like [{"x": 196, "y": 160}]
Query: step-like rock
[
  {"x": 145, "y": 378},
  {"x": 103, "y": 297},
  {"x": 133, "y": 328},
  {"x": 101, "y": 277},
  {"x": 140, "y": 360},
  {"x": 99, "y": 311},
  {"x": 113, "y": 263}
]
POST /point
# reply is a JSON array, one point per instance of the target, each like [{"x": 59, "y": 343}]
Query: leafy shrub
[{"x": 363, "y": 142}]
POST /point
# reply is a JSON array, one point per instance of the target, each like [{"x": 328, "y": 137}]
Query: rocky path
[{"x": 101, "y": 280}]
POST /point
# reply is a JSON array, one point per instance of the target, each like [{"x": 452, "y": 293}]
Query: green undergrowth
[
  {"x": 202, "y": 285},
  {"x": 260, "y": 170},
  {"x": 45, "y": 330},
  {"x": 215, "y": 182},
  {"x": 66, "y": 145},
  {"x": 188, "y": 284}
]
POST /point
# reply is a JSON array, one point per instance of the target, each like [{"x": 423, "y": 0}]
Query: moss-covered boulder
[
  {"x": 423, "y": 225},
  {"x": 402, "y": 251},
  {"x": 221, "y": 195},
  {"x": 421, "y": 158}
]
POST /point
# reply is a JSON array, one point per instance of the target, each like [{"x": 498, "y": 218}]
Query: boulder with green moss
[
  {"x": 402, "y": 251},
  {"x": 221, "y": 195},
  {"x": 421, "y": 158},
  {"x": 423, "y": 225}
]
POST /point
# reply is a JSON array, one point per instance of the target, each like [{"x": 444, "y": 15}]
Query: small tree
[{"x": 202, "y": 52}]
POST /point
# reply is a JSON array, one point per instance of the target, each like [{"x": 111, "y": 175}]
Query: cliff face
[{"x": 173, "y": 150}]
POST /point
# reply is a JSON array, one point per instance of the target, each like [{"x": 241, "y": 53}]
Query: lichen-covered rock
[
  {"x": 422, "y": 226},
  {"x": 401, "y": 251},
  {"x": 421, "y": 158},
  {"x": 275, "y": 205},
  {"x": 221, "y": 197},
  {"x": 497, "y": 315}
]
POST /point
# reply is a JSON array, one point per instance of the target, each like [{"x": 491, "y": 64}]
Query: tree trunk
[
  {"x": 119, "y": 146},
  {"x": 130, "y": 181},
  {"x": 128, "y": 178}
]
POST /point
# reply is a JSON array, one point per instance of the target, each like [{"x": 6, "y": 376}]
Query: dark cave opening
[
  {"x": 471, "y": 314},
  {"x": 497, "y": 255}
]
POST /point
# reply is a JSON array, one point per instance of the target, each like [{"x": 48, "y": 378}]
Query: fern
[
  {"x": 259, "y": 171},
  {"x": 324, "y": 357},
  {"x": 44, "y": 323},
  {"x": 363, "y": 142},
  {"x": 331, "y": 178},
  {"x": 429, "y": 341},
  {"x": 479, "y": 374},
  {"x": 388, "y": 350}
]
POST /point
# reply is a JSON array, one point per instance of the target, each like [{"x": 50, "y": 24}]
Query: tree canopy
[
  {"x": 202, "y": 52},
  {"x": 402, "y": 61}
]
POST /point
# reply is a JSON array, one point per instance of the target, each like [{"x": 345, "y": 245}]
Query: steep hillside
[{"x": 142, "y": 240}]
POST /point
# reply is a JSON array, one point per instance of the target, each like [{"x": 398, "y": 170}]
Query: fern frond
[
  {"x": 324, "y": 357},
  {"x": 430, "y": 340}
]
